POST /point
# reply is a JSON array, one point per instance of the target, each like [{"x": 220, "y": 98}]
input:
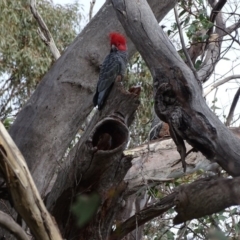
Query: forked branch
[{"x": 43, "y": 31}]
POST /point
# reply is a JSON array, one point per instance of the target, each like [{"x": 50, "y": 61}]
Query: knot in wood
[
  {"x": 167, "y": 93},
  {"x": 94, "y": 60},
  {"x": 176, "y": 117}
]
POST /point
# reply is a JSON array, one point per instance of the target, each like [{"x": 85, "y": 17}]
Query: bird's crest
[{"x": 118, "y": 40}]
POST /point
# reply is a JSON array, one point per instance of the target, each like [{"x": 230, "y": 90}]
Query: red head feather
[{"x": 118, "y": 40}]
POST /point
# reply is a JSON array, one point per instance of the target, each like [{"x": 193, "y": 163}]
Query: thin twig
[
  {"x": 227, "y": 33},
  {"x": 183, "y": 45},
  {"x": 232, "y": 109},
  {"x": 219, "y": 83},
  {"x": 92, "y": 3},
  {"x": 10, "y": 225},
  {"x": 43, "y": 31}
]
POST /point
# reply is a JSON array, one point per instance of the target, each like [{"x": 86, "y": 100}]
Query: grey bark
[
  {"x": 178, "y": 100},
  {"x": 202, "y": 197},
  {"x": 51, "y": 118},
  {"x": 10, "y": 225},
  {"x": 54, "y": 113},
  {"x": 90, "y": 168}
]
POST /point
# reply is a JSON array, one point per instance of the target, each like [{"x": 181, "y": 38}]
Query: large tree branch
[
  {"x": 24, "y": 194},
  {"x": 51, "y": 118},
  {"x": 200, "y": 198},
  {"x": 178, "y": 99},
  {"x": 217, "y": 7},
  {"x": 143, "y": 216}
]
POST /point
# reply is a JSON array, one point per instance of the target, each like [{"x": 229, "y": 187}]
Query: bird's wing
[{"x": 110, "y": 70}]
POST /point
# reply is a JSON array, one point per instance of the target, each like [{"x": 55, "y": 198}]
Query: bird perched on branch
[{"x": 113, "y": 68}]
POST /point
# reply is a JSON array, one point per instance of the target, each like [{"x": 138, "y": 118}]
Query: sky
[
  {"x": 85, "y": 3},
  {"x": 224, "y": 93}
]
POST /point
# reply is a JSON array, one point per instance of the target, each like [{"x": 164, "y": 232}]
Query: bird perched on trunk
[{"x": 113, "y": 68}]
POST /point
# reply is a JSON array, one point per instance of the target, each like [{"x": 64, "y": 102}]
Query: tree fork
[
  {"x": 51, "y": 118},
  {"x": 182, "y": 103}
]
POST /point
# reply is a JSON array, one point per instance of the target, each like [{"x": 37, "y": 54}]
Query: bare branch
[
  {"x": 211, "y": 58},
  {"x": 24, "y": 193},
  {"x": 178, "y": 99},
  {"x": 144, "y": 216},
  {"x": 233, "y": 27},
  {"x": 219, "y": 83},
  {"x": 43, "y": 31},
  {"x": 9, "y": 224},
  {"x": 213, "y": 49},
  {"x": 227, "y": 33},
  {"x": 216, "y": 9},
  {"x": 190, "y": 64},
  {"x": 92, "y": 3},
  {"x": 232, "y": 109},
  {"x": 197, "y": 199}
]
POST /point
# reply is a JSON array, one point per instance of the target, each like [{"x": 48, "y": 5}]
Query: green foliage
[
  {"x": 85, "y": 207},
  {"x": 7, "y": 123},
  {"x": 138, "y": 72},
  {"x": 24, "y": 58}
]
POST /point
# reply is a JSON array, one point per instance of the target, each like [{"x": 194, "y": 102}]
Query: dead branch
[
  {"x": 204, "y": 197},
  {"x": 189, "y": 61},
  {"x": 233, "y": 27},
  {"x": 143, "y": 216},
  {"x": 198, "y": 199},
  {"x": 43, "y": 31},
  {"x": 219, "y": 83},
  {"x": 10, "y": 225},
  {"x": 211, "y": 58},
  {"x": 24, "y": 193},
  {"x": 213, "y": 51},
  {"x": 92, "y": 3},
  {"x": 97, "y": 164},
  {"x": 232, "y": 109}
]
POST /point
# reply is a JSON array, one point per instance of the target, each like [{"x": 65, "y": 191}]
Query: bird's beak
[{"x": 113, "y": 47}]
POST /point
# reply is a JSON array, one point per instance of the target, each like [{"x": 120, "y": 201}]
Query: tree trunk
[
  {"x": 51, "y": 118},
  {"x": 178, "y": 98}
]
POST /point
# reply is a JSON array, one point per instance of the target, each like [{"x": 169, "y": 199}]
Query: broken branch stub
[
  {"x": 101, "y": 168},
  {"x": 96, "y": 164}
]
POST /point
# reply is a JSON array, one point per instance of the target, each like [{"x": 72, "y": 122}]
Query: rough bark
[
  {"x": 54, "y": 115},
  {"x": 178, "y": 100},
  {"x": 10, "y": 225},
  {"x": 97, "y": 166},
  {"x": 200, "y": 198},
  {"x": 51, "y": 118},
  {"x": 24, "y": 194},
  {"x": 204, "y": 197}
]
